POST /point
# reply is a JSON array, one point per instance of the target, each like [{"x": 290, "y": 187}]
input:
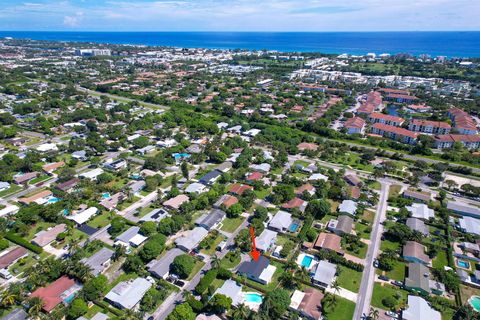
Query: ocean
[{"x": 450, "y": 44}]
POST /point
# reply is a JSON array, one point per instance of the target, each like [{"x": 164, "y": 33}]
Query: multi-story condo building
[
  {"x": 432, "y": 127},
  {"x": 396, "y": 133},
  {"x": 385, "y": 119}
]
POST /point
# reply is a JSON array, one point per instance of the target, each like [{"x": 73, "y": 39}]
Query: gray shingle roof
[
  {"x": 129, "y": 234},
  {"x": 161, "y": 267},
  {"x": 211, "y": 219},
  {"x": 96, "y": 261},
  {"x": 127, "y": 294},
  {"x": 252, "y": 268}
]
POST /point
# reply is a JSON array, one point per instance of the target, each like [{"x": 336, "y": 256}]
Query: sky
[{"x": 240, "y": 15}]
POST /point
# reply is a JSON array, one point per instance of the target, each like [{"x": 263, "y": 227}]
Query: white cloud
[{"x": 73, "y": 20}]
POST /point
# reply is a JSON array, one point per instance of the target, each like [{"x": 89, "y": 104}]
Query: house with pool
[
  {"x": 324, "y": 274},
  {"x": 232, "y": 289},
  {"x": 260, "y": 271},
  {"x": 418, "y": 308},
  {"x": 63, "y": 290},
  {"x": 266, "y": 240},
  {"x": 281, "y": 222}
]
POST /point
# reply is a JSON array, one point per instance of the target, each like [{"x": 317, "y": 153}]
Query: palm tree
[
  {"x": 8, "y": 298},
  {"x": 35, "y": 306},
  {"x": 373, "y": 314},
  {"x": 241, "y": 312},
  {"x": 287, "y": 280},
  {"x": 335, "y": 287},
  {"x": 215, "y": 261}
]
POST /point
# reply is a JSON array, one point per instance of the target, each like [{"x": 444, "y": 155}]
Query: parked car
[
  {"x": 375, "y": 263},
  {"x": 391, "y": 314},
  {"x": 384, "y": 278},
  {"x": 397, "y": 283}
]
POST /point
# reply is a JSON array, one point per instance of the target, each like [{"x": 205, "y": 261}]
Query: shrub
[
  {"x": 24, "y": 243},
  {"x": 207, "y": 279}
]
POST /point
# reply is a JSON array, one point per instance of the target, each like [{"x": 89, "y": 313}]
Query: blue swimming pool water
[
  {"x": 463, "y": 264},
  {"x": 306, "y": 261},
  {"x": 106, "y": 195},
  {"x": 53, "y": 200},
  {"x": 65, "y": 212},
  {"x": 69, "y": 298},
  {"x": 253, "y": 297},
  {"x": 475, "y": 303},
  {"x": 294, "y": 227}
]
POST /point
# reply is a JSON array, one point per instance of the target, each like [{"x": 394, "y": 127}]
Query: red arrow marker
[{"x": 254, "y": 253}]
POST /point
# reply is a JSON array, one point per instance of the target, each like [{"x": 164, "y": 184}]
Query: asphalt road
[{"x": 366, "y": 287}]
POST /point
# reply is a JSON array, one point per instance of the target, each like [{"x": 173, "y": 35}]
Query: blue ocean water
[{"x": 451, "y": 44}]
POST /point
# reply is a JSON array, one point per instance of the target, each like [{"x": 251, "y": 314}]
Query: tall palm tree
[
  {"x": 241, "y": 312},
  {"x": 336, "y": 288},
  {"x": 373, "y": 314},
  {"x": 8, "y": 298},
  {"x": 215, "y": 261},
  {"x": 35, "y": 306}
]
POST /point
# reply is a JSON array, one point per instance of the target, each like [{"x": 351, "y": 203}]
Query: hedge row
[
  {"x": 15, "y": 238},
  {"x": 207, "y": 280}
]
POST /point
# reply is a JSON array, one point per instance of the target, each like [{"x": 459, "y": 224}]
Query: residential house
[
  {"x": 342, "y": 225},
  {"x": 355, "y": 125},
  {"x": 45, "y": 237},
  {"x": 305, "y": 188},
  {"x": 239, "y": 189},
  {"x": 418, "y": 278},
  {"x": 224, "y": 167},
  {"x": 295, "y": 203},
  {"x": 92, "y": 174},
  {"x": 111, "y": 202},
  {"x": 415, "y": 252},
  {"x": 329, "y": 241},
  {"x": 262, "y": 167},
  {"x": 387, "y": 119},
  {"x": 131, "y": 237},
  {"x": 175, "y": 202},
  {"x": 233, "y": 290},
  {"x": 429, "y": 127},
  {"x": 68, "y": 186},
  {"x": 463, "y": 209},
  {"x": 260, "y": 271},
  {"x": 59, "y": 291},
  {"x": 80, "y": 155},
  {"x": 417, "y": 196},
  {"x": 418, "y": 225},
  {"x": 127, "y": 294},
  {"x": 418, "y": 308},
  {"x": 4, "y": 186},
  {"x": 8, "y": 210},
  {"x": 348, "y": 207},
  {"x": 470, "y": 225},
  {"x": 318, "y": 177},
  {"x": 137, "y": 186},
  {"x": 146, "y": 150},
  {"x": 116, "y": 165},
  {"x": 191, "y": 239},
  {"x": 99, "y": 261},
  {"x": 156, "y": 215},
  {"x": 266, "y": 240},
  {"x": 196, "y": 187},
  {"x": 12, "y": 256},
  {"x": 225, "y": 201},
  {"x": 281, "y": 221},
  {"x": 82, "y": 215},
  {"x": 51, "y": 167},
  {"x": 39, "y": 198},
  {"x": 210, "y": 178},
  {"x": 420, "y": 211},
  {"x": 307, "y": 303},
  {"x": 353, "y": 180},
  {"x": 395, "y": 133},
  {"x": 160, "y": 268},
  {"x": 324, "y": 274},
  {"x": 211, "y": 220},
  {"x": 24, "y": 178},
  {"x": 17, "y": 314},
  {"x": 254, "y": 176}
]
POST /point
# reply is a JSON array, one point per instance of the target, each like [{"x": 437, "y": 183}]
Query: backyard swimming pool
[
  {"x": 106, "y": 195},
  {"x": 474, "y": 301},
  {"x": 463, "y": 264},
  {"x": 294, "y": 227},
  {"x": 306, "y": 261},
  {"x": 53, "y": 200},
  {"x": 253, "y": 297}
]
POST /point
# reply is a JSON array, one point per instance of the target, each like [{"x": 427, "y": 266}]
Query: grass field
[
  {"x": 231, "y": 224},
  {"x": 398, "y": 272},
  {"x": 440, "y": 260},
  {"x": 349, "y": 279},
  {"x": 386, "y": 244},
  {"x": 380, "y": 292},
  {"x": 394, "y": 190},
  {"x": 13, "y": 189},
  {"x": 343, "y": 310},
  {"x": 198, "y": 266}
]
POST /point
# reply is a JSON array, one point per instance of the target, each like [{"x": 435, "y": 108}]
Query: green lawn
[
  {"x": 262, "y": 194},
  {"x": 398, "y": 272},
  {"x": 368, "y": 215},
  {"x": 440, "y": 260},
  {"x": 344, "y": 309},
  {"x": 327, "y": 218},
  {"x": 387, "y": 244},
  {"x": 375, "y": 185},
  {"x": 214, "y": 245},
  {"x": 39, "y": 179},
  {"x": 100, "y": 220},
  {"x": 349, "y": 278},
  {"x": 361, "y": 253},
  {"x": 198, "y": 266},
  {"x": 362, "y": 230},
  {"x": 231, "y": 260},
  {"x": 394, "y": 190},
  {"x": 13, "y": 188},
  {"x": 302, "y": 163},
  {"x": 231, "y": 224},
  {"x": 380, "y": 292}
]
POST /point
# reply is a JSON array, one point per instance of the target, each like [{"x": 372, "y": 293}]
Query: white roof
[
  {"x": 195, "y": 188},
  {"x": 318, "y": 176},
  {"x": 47, "y": 147},
  {"x": 128, "y": 293},
  {"x": 137, "y": 240},
  {"x": 348, "y": 206},
  {"x": 325, "y": 272},
  {"x": 265, "y": 239},
  {"x": 233, "y": 290},
  {"x": 267, "y": 273},
  {"x": 282, "y": 220},
  {"x": 192, "y": 238},
  {"x": 420, "y": 211},
  {"x": 84, "y": 216},
  {"x": 418, "y": 308},
  {"x": 470, "y": 225},
  {"x": 296, "y": 299},
  {"x": 92, "y": 174},
  {"x": 9, "y": 209}
]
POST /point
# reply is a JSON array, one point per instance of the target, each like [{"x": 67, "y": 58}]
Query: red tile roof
[
  {"x": 229, "y": 201},
  {"x": 255, "y": 176},
  {"x": 355, "y": 122},
  {"x": 401, "y": 96},
  {"x": 307, "y": 146},
  {"x": 396, "y": 130},
  {"x": 305, "y": 187},
  {"x": 386, "y": 117},
  {"x": 51, "y": 295},
  {"x": 239, "y": 188},
  {"x": 294, "y": 203},
  {"x": 457, "y": 137},
  {"x": 435, "y": 124},
  {"x": 366, "y": 108}
]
